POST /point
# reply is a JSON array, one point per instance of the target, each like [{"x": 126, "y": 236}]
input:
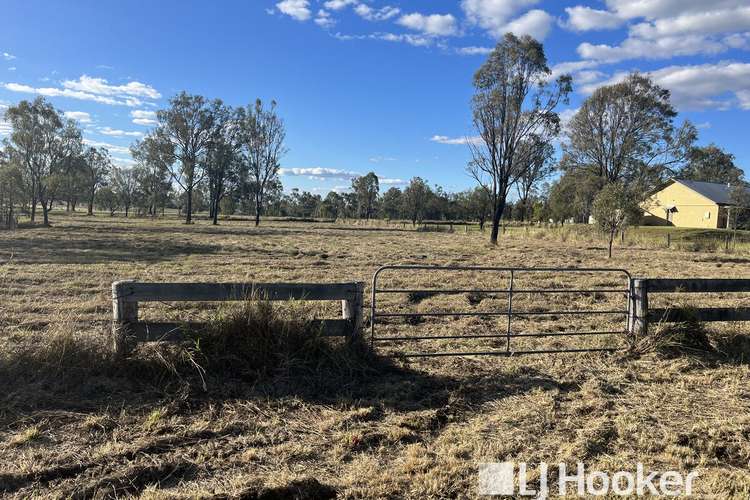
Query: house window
[{"x": 707, "y": 216}]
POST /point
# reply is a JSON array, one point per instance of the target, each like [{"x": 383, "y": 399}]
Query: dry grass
[{"x": 76, "y": 423}]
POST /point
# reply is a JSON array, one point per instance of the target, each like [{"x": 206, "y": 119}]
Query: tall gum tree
[
  {"x": 625, "y": 132},
  {"x": 513, "y": 100},
  {"x": 184, "y": 135},
  {"x": 263, "y": 136}
]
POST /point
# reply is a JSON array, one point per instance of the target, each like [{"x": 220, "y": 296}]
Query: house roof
[{"x": 720, "y": 194}]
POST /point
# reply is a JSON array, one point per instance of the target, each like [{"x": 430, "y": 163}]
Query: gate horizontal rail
[{"x": 508, "y": 312}]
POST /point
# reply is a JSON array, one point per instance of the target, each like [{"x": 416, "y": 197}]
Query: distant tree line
[{"x": 205, "y": 156}]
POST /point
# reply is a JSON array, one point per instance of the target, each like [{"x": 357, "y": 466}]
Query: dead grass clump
[
  {"x": 676, "y": 339},
  {"x": 257, "y": 339}
]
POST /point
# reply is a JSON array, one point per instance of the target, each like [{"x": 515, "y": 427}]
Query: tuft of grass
[
  {"x": 26, "y": 436},
  {"x": 256, "y": 340},
  {"x": 676, "y": 339},
  {"x": 154, "y": 419}
]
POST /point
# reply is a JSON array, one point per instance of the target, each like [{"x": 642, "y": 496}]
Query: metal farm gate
[{"x": 519, "y": 311}]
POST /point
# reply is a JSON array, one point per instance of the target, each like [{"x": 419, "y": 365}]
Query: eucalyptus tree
[
  {"x": 513, "y": 99},
  {"x": 366, "y": 189},
  {"x": 124, "y": 184},
  {"x": 626, "y": 132},
  {"x": 42, "y": 143},
  {"x": 97, "y": 167},
  {"x": 537, "y": 165},
  {"x": 391, "y": 205},
  {"x": 616, "y": 207},
  {"x": 152, "y": 174},
  {"x": 183, "y": 135},
  {"x": 223, "y": 155},
  {"x": 262, "y": 145},
  {"x": 415, "y": 198},
  {"x": 711, "y": 164}
]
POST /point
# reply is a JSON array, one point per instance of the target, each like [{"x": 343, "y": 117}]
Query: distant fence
[
  {"x": 641, "y": 315},
  {"x": 126, "y": 295}
]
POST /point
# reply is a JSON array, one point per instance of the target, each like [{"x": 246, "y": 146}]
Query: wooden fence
[
  {"x": 641, "y": 315},
  {"x": 126, "y": 295}
]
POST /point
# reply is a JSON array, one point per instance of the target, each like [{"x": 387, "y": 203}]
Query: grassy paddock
[{"x": 169, "y": 422}]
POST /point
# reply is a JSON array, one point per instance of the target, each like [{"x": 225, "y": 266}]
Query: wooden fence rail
[
  {"x": 126, "y": 295},
  {"x": 641, "y": 315}
]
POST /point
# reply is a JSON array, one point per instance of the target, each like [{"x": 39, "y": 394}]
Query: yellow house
[{"x": 683, "y": 203}]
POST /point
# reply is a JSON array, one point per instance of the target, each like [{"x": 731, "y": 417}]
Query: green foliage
[
  {"x": 614, "y": 208},
  {"x": 512, "y": 104},
  {"x": 366, "y": 188},
  {"x": 625, "y": 132},
  {"x": 711, "y": 164}
]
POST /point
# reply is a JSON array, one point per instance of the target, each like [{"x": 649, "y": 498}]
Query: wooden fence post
[
  {"x": 638, "y": 317},
  {"x": 351, "y": 309},
  {"x": 124, "y": 312},
  {"x": 669, "y": 239}
]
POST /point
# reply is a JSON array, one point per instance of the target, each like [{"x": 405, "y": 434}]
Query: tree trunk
[
  {"x": 189, "y": 210},
  {"x": 496, "y": 216},
  {"x": 215, "y": 210},
  {"x": 33, "y": 208},
  {"x": 611, "y": 238},
  {"x": 45, "y": 212},
  {"x": 257, "y": 209}
]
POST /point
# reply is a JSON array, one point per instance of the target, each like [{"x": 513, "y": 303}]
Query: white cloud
[
  {"x": 535, "y": 23},
  {"x": 100, "y": 86},
  {"x": 339, "y": 4},
  {"x": 12, "y": 68},
  {"x": 587, "y": 76},
  {"x": 93, "y": 89},
  {"x": 570, "y": 67},
  {"x": 79, "y": 116},
  {"x": 473, "y": 51},
  {"x": 433, "y": 24},
  {"x": 319, "y": 173},
  {"x": 668, "y": 28},
  {"x": 112, "y": 148},
  {"x": 119, "y": 133},
  {"x": 650, "y": 9},
  {"x": 444, "y": 139},
  {"x": 296, "y": 9},
  {"x": 370, "y": 14},
  {"x": 706, "y": 22},
  {"x": 495, "y": 16},
  {"x": 582, "y": 18},
  {"x": 391, "y": 182},
  {"x": 144, "y": 117},
  {"x": 7, "y": 56},
  {"x": 661, "y": 48},
  {"x": 324, "y": 19},
  {"x": 56, "y": 92},
  {"x": 723, "y": 85},
  {"x": 416, "y": 40}
]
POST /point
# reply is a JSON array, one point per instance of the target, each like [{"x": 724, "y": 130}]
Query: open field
[{"x": 75, "y": 422}]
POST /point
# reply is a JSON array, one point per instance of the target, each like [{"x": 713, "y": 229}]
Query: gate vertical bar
[{"x": 510, "y": 307}]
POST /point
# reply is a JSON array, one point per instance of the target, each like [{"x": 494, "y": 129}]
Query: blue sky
[{"x": 363, "y": 84}]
